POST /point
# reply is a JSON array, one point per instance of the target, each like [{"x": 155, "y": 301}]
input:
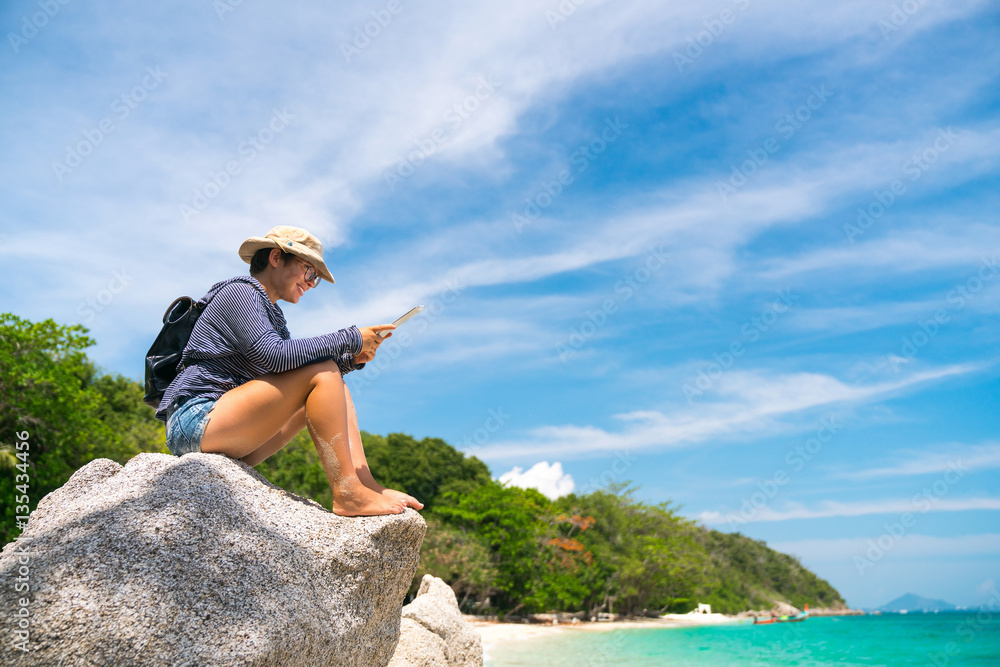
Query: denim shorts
[{"x": 186, "y": 424}]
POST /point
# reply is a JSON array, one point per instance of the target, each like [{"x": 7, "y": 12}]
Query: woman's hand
[{"x": 370, "y": 341}]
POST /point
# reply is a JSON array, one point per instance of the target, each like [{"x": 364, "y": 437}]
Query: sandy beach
[{"x": 494, "y": 633}]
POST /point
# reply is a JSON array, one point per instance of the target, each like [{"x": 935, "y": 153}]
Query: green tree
[
  {"x": 461, "y": 559},
  {"x": 747, "y": 574},
  {"x": 51, "y": 392},
  {"x": 646, "y": 559},
  {"x": 510, "y": 523},
  {"x": 133, "y": 425},
  {"x": 425, "y": 469}
]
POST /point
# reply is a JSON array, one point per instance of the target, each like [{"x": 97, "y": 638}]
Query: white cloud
[{"x": 548, "y": 479}]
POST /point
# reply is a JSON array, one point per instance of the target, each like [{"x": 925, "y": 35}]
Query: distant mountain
[{"x": 911, "y": 602}]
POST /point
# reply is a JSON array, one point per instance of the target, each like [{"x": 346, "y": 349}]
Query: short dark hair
[{"x": 262, "y": 258}]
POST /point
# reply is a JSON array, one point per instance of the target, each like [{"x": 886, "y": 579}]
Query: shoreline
[{"x": 493, "y": 632}]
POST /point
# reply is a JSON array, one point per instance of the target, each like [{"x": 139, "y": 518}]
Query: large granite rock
[
  {"x": 434, "y": 633},
  {"x": 199, "y": 560}
]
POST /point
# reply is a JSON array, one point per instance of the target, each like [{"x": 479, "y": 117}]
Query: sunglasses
[{"x": 310, "y": 276}]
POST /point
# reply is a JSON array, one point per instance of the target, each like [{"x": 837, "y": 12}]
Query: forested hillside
[{"x": 504, "y": 550}]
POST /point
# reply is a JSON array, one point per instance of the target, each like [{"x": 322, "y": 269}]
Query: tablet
[{"x": 410, "y": 313}]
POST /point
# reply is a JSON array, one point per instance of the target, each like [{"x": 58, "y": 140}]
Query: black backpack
[{"x": 164, "y": 357}]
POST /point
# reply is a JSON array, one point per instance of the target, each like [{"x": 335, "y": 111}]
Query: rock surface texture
[
  {"x": 433, "y": 632},
  {"x": 199, "y": 560}
]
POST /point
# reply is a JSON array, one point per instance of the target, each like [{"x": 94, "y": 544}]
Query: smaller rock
[
  {"x": 783, "y": 609},
  {"x": 436, "y": 611},
  {"x": 418, "y": 647}
]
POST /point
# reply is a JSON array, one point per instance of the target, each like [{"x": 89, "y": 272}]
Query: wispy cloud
[
  {"x": 908, "y": 547},
  {"x": 751, "y": 403},
  {"x": 965, "y": 457},
  {"x": 830, "y": 509},
  {"x": 906, "y": 251}
]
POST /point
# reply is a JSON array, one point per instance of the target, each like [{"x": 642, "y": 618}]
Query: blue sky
[{"x": 743, "y": 254}]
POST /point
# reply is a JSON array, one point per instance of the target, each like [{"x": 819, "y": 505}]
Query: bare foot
[
  {"x": 362, "y": 501},
  {"x": 409, "y": 501}
]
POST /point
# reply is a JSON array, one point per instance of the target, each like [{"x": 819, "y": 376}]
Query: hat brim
[{"x": 250, "y": 247}]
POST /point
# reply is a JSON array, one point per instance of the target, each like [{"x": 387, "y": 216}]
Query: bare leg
[
  {"x": 284, "y": 436},
  {"x": 254, "y": 415},
  {"x": 361, "y": 463}
]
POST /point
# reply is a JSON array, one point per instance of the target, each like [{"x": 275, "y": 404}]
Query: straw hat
[{"x": 293, "y": 240}]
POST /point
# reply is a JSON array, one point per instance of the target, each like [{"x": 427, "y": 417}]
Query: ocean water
[{"x": 934, "y": 640}]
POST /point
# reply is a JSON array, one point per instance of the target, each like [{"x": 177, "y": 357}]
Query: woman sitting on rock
[{"x": 247, "y": 388}]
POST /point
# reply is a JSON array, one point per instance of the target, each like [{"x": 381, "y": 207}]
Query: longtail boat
[{"x": 801, "y": 616}]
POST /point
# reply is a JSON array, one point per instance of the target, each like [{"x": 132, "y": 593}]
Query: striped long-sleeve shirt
[{"x": 240, "y": 336}]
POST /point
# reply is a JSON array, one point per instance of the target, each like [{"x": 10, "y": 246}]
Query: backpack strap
[
  {"x": 186, "y": 303},
  {"x": 219, "y": 285}
]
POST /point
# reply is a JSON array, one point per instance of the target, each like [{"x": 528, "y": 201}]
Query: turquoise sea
[{"x": 935, "y": 640}]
